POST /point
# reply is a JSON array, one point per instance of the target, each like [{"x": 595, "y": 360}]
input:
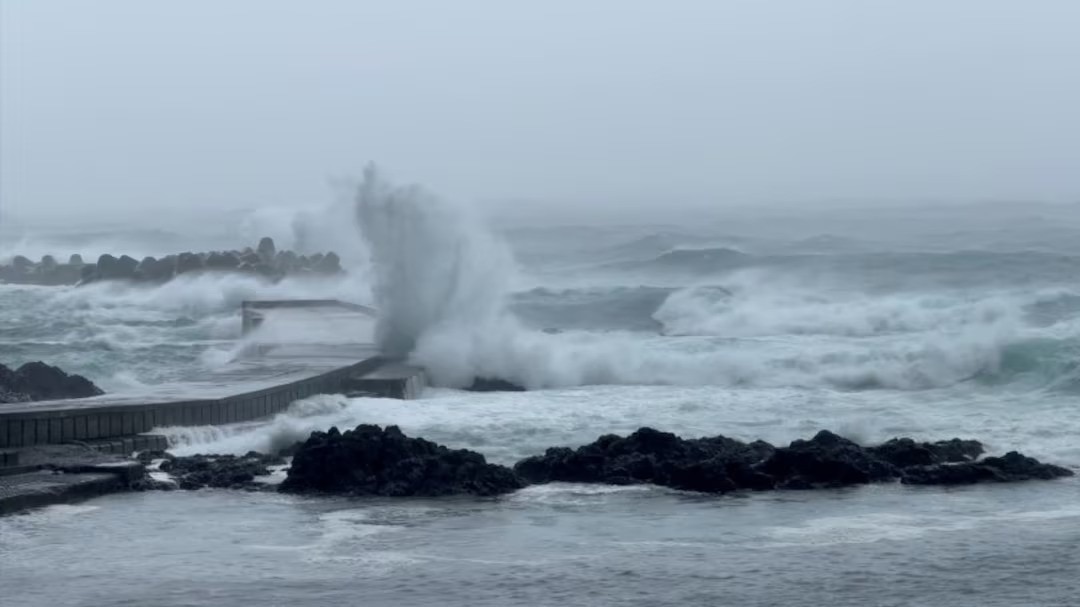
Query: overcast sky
[{"x": 244, "y": 103}]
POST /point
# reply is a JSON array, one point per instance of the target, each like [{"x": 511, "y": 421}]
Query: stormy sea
[{"x": 873, "y": 321}]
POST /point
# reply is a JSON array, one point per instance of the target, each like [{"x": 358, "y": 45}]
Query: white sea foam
[
  {"x": 441, "y": 282},
  {"x": 508, "y": 426}
]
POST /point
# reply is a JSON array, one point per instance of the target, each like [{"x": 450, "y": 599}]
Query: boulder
[
  {"x": 720, "y": 464},
  {"x": 75, "y": 260},
  {"x": 713, "y": 465},
  {"x": 21, "y": 263},
  {"x": 905, "y": 452},
  {"x": 48, "y": 264},
  {"x": 39, "y": 381},
  {"x": 1010, "y": 467},
  {"x": 220, "y": 471},
  {"x": 827, "y": 460},
  {"x": 371, "y": 461}
]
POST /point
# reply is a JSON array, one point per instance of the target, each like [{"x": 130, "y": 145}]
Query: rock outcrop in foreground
[
  {"x": 372, "y": 461},
  {"x": 39, "y": 381},
  {"x": 265, "y": 261},
  {"x": 220, "y": 471},
  {"x": 720, "y": 464}
]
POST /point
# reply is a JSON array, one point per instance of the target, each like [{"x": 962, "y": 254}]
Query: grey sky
[{"x": 124, "y": 104}]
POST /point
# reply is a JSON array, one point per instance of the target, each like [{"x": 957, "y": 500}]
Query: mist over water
[{"x": 437, "y": 270}]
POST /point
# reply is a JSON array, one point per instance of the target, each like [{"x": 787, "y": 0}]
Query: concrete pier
[
  {"x": 63, "y": 450},
  {"x": 272, "y": 375},
  {"x": 245, "y": 391}
]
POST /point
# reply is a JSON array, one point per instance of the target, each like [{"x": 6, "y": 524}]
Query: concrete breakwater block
[
  {"x": 46, "y": 487},
  {"x": 60, "y": 474}
]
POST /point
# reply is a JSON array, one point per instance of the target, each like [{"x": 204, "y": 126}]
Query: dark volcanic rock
[
  {"x": 39, "y": 381},
  {"x": 827, "y": 460},
  {"x": 1010, "y": 467},
  {"x": 369, "y": 460},
  {"x": 483, "y": 384},
  {"x": 220, "y": 471},
  {"x": 905, "y": 452},
  {"x": 715, "y": 464},
  {"x": 722, "y": 464}
]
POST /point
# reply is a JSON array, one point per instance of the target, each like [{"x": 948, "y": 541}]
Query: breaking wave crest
[{"x": 442, "y": 285}]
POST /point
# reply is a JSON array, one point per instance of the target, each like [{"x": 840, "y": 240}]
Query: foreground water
[
  {"x": 556, "y": 545},
  {"x": 559, "y": 544}
]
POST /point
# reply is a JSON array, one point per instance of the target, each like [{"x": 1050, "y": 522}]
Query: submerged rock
[
  {"x": 39, "y": 381},
  {"x": 369, "y": 460},
  {"x": 220, "y": 471}
]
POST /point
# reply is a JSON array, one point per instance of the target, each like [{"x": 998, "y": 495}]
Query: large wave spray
[
  {"x": 441, "y": 282},
  {"x": 436, "y": 269}
]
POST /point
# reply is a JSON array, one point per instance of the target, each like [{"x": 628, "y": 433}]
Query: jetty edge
[{"x": 57, "y": 451}]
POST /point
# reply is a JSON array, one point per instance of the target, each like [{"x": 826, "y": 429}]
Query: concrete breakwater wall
[{"x": 52, "y": 422}]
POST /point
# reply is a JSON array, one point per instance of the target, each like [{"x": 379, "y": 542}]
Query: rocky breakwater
[
  {"x": 264, "y": 261},
  {"x": 720, "y": 464},
  {"x": 39, "y": 381},
  {"x": 372, "y": 461}
]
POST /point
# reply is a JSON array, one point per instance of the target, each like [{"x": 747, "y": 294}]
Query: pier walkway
[{"x": 294, "y": 350}]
